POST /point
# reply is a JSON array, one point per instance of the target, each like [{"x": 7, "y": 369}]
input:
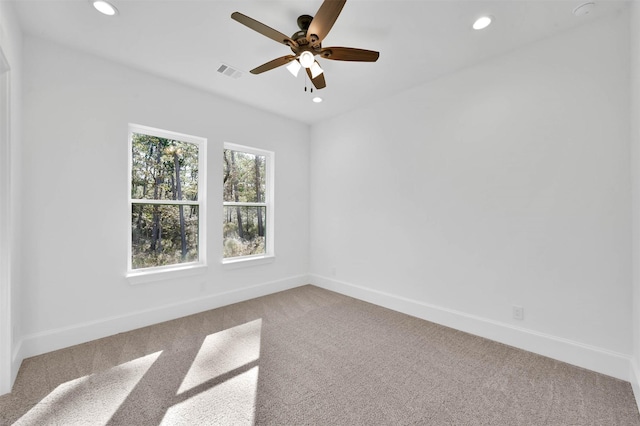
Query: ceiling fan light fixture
[
  {"x": 482, "y": 22},
  {"x": 306, "y": 59},
  {"x": 294, "y": 67},
  {"x": 315, "y": 69},
  {"x": 104, "y": 7},
  {"x": 317, "y": 99}
]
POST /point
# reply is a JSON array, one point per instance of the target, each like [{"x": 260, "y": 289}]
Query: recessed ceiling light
[
  {"x": 317, "y": 99},
  {"x": 104, "y": 7},
  {"x": 584, "y": 9},
  {"x": 482, "y": 22}
]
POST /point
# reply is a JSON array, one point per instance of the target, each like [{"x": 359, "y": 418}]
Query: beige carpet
[{"x": 308, "y": 356}]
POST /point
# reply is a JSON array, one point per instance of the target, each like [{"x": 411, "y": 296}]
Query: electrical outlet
[{"x": 518, "y": 312}]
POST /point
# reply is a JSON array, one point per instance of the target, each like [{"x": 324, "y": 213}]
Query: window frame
[
  {"x": 269, "y": 197},
  {"x": 177, "y": 270}
]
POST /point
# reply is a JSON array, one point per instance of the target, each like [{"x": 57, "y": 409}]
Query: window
[
  {"x": 247, "y": 204},
  {"x": 167, "y": 206}
]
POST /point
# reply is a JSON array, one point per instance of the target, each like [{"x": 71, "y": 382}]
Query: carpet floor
[{"x": 308, "y": 356}]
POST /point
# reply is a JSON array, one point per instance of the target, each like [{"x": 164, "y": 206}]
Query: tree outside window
[
  {"x": 247, "y": 207},
  {"x": 166, "y": 198}
]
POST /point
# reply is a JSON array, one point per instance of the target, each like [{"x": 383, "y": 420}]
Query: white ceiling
[{"x": 187, "y": 41}]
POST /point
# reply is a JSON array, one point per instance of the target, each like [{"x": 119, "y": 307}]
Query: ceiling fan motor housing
[
  {"x": 300, "y": 37},
  {"x": 304, "y": 21}
]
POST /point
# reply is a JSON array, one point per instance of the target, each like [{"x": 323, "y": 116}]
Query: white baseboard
[
  {"x": 50, "y": 340},
  {"x": 582, "y": 355},
  {"x": 9, "y": 376},
  {"x": 635, "y": 381},
  {"x": 16, "y": 361},
  {"x": 586, "y": 356}
]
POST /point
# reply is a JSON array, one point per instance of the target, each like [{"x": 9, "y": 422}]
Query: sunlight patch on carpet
[
  {"x": 231, "y": 402},
  {"x": 90, "y": 399},
  {"x": 224, "y": 352}
]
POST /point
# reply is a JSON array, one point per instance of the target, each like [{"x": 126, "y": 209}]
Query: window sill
[
  {"x": 161, "y": 274},
  {"x": 244, "y": 262}
]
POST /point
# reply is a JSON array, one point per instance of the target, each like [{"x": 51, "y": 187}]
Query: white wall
[
  {"x": 504, "y": 184},
  {"x": 11, "y": 46},
  {"x": 76, "y": 111},
  {"x": 635, "y": 169}
]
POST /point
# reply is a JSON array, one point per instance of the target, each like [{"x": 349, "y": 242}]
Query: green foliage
[
  {"x": 240, "y": 171},
  {"x": 166, "y": 249},
  {"x": 244, "y": 228},
  {"x": 234, "y": 247},
  {"x": 154, "y": 166},
  {"x": 251, "y": 242},
  {"x": 163, "y": 170}
]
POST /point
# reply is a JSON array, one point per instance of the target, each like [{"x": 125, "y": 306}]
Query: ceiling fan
[{"x": 307, "y": 43}]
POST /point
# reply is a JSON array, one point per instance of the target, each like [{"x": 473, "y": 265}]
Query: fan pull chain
[{"x": 305, "y": 84}]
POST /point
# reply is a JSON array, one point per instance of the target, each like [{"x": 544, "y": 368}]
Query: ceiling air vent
[{"x": 229, "y": 71}]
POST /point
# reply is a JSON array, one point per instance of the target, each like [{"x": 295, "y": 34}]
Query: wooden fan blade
[
  {"x": 318, "y": 81},
  {"x": 349, "y": 54},
  {"x": 263, "y": 29},
  {"x": 273, "y": 64},
  {"x": 324, "y": 20}
]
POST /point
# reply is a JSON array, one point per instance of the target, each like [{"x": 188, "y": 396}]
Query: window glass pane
[
  {"x": 244, "y": 177},
  {"x": 244, "y": 230},
  {"x": 163, "y": 234},
  {"x": 163, "y": 169}
]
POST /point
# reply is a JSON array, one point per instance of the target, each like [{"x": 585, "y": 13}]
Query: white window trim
[
  {"x": 246, "y": 261},
  {"x": 157, "y": 273},
  {"x": 269, "y": 255},
  {"x": 161, "y": 273}
]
